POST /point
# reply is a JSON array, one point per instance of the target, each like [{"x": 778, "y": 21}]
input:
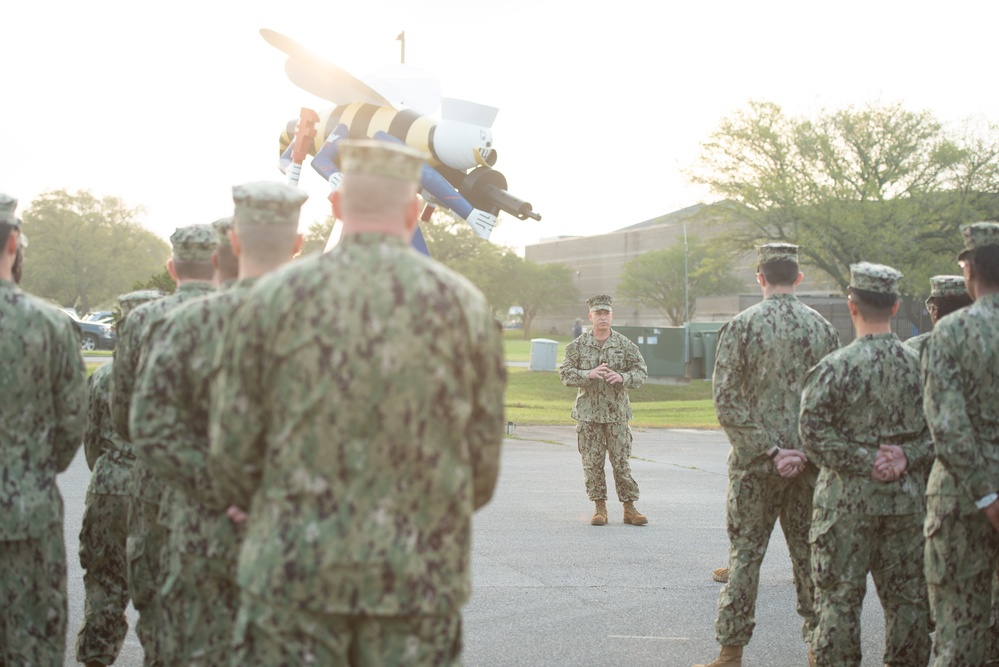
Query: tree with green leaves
[
  {"x": 656, "y": 279},
  {"x": 879, "y": 183},
  {"x": 453, "y": 243},
  {"x": 162, "y": 281},
  {"x": 314, "y": 240},
  {"x": 85, "y": 250},
  {"x": 537, "y": 288}
]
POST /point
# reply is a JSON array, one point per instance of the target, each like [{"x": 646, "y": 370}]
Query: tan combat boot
[
  {"x": 600, "y": 516},
  {"x": 730, "y": 656},
  {"x": 633, "y": 516},
  {"x": 720, "y": 574}
]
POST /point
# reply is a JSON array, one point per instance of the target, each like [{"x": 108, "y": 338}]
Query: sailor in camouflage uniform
[
  {"x": 169, "y": 425},
  {"x": 43, "y": 384},
  {"x": 358, "y": 414},
  {"x": 604, "y": 365},
  {"x": 870, "y": 441},
  {"x": 105, "y": 518},
  {"x": 947, "y": 294},
  {"x": 761, "y": 361},
  {"x": 191, "y": 268},
  {"x": 961, "y": 373}
]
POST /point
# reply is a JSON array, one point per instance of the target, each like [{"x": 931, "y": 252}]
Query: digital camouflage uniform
[
  {"x": 853, "y": 401},
  {"x": 602, "y": 410},
  {"x": 43, "y": 385},
  {"x": 358, "y": 414},
  {"x": 170, "y": 430},
  {"x": 105, "y": 519},
  {"x": 169, "y": 425},
  {"x": 917, "y": 343},
  {"x": 147, "y": 532},
  {"x": 961, "y": 373},
  {"x": 105, "y": 528},
  {"x": 760, "y": 364}
]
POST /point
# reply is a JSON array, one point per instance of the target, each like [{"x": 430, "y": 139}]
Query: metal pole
[
  {"x": 686, "y": 301},
  {"x": 402, "y": 55}
]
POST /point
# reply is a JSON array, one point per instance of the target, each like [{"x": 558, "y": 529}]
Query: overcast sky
[{"x": 601, "y": 105}]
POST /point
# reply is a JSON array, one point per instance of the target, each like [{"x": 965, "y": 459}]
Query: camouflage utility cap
[
  {"x": 979, "y": 235},
  {"x": 222, "y": 227},
  {"x": 129, "y": 301},
  {"x": 777, "y": 252},
  {"x": 947, "y": 286},
  {"x": 8, "y": 205},
  {"x": 267, "y": 203},
  {"x": 600, "y": 302},
  {"x": 874, "y": 278},
  {"x": 194, "y": 243},
  {"x": 381, "y": 158}
]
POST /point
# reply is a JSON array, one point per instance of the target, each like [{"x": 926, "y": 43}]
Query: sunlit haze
[{"x": 601, "y": 105}]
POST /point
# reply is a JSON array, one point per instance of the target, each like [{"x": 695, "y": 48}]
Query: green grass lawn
[
  {"x": 535, "y": 398},
  {"x": 515, "y": 348},
  {"x": 541, "y": 398}
]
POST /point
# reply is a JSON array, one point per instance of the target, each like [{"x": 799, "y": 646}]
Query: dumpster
[
  {"x": 543, "y": 354},
  {"x": 703, "y": 344}
]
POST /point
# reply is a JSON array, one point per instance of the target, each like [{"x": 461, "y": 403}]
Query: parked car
[
  {"x": 93, "y": 335},
  {"x": 99, "y": 316}
]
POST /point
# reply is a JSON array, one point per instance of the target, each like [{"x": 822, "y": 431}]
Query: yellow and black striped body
[{"x": 364, "y": 120}]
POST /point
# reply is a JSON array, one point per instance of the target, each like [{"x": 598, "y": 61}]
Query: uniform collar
[{"x": 368, "y": 239}]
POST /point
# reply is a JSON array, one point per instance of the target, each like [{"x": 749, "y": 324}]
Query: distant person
[
  {"x": 43, "y": 384},
  {"x": 860, "y": 425},
  {"x": 358, "y": 416},
  {"x": 104, "y": 532},
  {"x": 604, "y": 365},
  {"x": 577, "y": 328},
  {"x": 961, "y": 371},
  {"x": 762, "y": 356},
  {"x": 947, "y": 294}
]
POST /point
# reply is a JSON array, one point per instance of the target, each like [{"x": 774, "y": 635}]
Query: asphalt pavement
[{"x": 551, "y": 590}]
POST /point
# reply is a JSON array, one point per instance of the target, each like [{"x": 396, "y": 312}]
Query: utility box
[
  {"x": 543, "y": 354},
  {"x": 663, "y": 348}
]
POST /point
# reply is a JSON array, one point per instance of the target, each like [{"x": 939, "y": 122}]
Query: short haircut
[
  {"x": 193, "y": 270},
  {"x": 228, "y": 263},
  {"x": 782, "y": 272},
  {"x": 986, "y": 263},
  {"x": 873, "y": 306},
  {"x": 265, "y": 243},
  {"x": 4, "y": 233},
  {"x": 366, "y": 196},
  {"x": 949, "y": 303}
]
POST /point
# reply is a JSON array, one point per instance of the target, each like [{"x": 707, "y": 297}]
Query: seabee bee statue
[{"x": 397, "y": 103}]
